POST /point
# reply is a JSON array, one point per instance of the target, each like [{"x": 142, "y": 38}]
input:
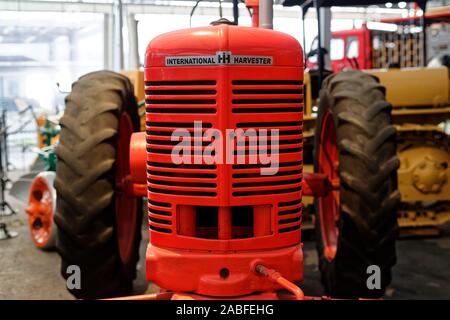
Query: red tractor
[
  {"x": 231, "y": 227},
  {"x": 364, "y": 48}
]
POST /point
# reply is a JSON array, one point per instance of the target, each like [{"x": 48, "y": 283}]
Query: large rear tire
[
  {"x": 99, "y": 227},
  {"x": 356, "y": 224}
]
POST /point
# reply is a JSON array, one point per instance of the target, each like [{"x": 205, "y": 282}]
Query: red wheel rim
[
  {"x": 329, "y": 205},
  {"x": 40, "y": 212},
  {"x": 125, "y": 205}
]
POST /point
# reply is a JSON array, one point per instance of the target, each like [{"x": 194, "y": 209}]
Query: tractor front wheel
[
  {"x": 99, "y": 225},
  {"x": 356, "y": 223}
]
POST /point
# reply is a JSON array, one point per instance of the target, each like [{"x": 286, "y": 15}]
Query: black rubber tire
[
  {"x": 85, "y": 178},
  {"x": 369, "y": 194}
]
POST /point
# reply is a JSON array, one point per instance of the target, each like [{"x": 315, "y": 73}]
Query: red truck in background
[{"x": 403, "y": 46}]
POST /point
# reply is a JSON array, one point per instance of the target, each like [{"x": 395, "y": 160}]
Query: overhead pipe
[{"x": 266, "y": 14}]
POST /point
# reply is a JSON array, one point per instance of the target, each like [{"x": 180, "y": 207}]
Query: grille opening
[
  {"x": 258, "y": 165},
  {"x": 181, "y": 83},
  {"x": 270, "y": 138},
  {"x": 290, "y": 132},
  {"x": 182, "y": 174},
  {"x": 174, "y": 143},
  {"x": 159, "y": 221},
  {"x": 266, "y": 192},
  {"x": 184, "y": 101},
  {"x": 206, "y": 222},
  {"x": 289, "y": 203},
  {"x": 291, "y": 211},
  {"x": 182, "y": 166},
  {"x": 269, "y": 124},
  {"x": 266, "y": 183},
  {"x": 203, "y": 222},
  {"x": 161, "y": 151},
  {"x": 182, "y": 184},
  {"x": 183, "y": 192},
  {"x": 290, "y": 141},
  {"x": 291, "y": 220},
  {"x": 242, "y": 222},
  {"x": 179, "y": 92},
  {"x": 160, "y": 133},
  {"x": 266, "y": 110},
  {"x": 267, "y": 82},
  {"x": 265, "y": 101},
  {"x": 193, "y": 152},
  {"x": 270, "y": 135},
  {"x": 158, "y": 229},
  {"x": 267, "y": 91},
  {"x": 289, "y": 229},
  {"x": 159, "y": 212},
  {"x": 242, "y": 152},
  {"x": 258, "y": 174},
  {"x": 177, "y": 125},
  {"x": 159, "y": 204},
  {"x": 181, "y": 110}
]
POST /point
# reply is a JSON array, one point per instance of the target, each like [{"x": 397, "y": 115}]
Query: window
[
  {"x": 337, "y": 49},
  {"x": 352, "y": 47}
]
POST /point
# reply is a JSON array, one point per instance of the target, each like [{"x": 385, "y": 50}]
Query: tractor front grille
[{"x": 247, "y": 105}]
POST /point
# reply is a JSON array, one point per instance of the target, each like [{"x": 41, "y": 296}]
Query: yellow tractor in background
[{"x": 421, "y": 107}]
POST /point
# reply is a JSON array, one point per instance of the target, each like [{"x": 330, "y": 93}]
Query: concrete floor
[{"x": 422, "y": 270}]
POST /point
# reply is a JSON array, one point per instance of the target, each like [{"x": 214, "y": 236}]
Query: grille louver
[
  {"x": 289, "y": 216},
  {"x": 182, "y": 100},
  {"x": 274, "y": 100}
]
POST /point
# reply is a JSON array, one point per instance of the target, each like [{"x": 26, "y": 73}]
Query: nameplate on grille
[{"x": 221, "y": 58}]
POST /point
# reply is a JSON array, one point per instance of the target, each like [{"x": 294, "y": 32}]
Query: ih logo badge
[{"x": 221, "y": 58}]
